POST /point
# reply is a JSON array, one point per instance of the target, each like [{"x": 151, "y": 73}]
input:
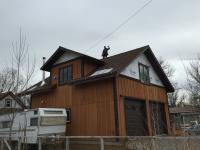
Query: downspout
[{"x": 116, "y": 106}]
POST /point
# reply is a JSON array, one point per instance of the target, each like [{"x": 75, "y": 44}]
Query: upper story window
[
  {"x": 8, "y": 103},
  {"x": 144, "y": 73},
  {"x": 65, "y": 74}
]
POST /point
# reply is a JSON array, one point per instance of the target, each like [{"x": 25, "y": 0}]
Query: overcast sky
[{"x": 170, "y": 27}]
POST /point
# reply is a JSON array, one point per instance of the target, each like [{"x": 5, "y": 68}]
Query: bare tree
[
  {"x": 169, "y": 71},
  {"x": 17, "y": 77},
  {"x": 193, "y": 81},
  {"x": 8, "y": 80}
]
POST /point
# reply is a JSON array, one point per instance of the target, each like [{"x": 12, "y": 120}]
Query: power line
[{"x": 120, "y": 25}]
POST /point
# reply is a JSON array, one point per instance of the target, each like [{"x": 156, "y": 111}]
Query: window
[
  {"x": 144, "y": 73},
  {"x": 35, "y": 112},
  {"x": 53, "y": 120},
  {"x": 6, "y": 124},
  {"x": 68, "y": 112},
  {"x": 65, "y": 74},
  {"x": 34, "y": 122},
  {"x": 53, "y": 112},
  {"x": 8, "y": 102}
]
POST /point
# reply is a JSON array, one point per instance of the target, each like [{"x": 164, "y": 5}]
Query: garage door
[
  {"x": 135, "y": 117},
  {"x": 158, "y": 118}
]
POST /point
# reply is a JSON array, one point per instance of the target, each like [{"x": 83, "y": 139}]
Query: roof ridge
[{"x": 146, "y": 46}]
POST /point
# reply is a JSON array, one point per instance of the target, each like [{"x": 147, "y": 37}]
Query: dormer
[{"x": 66, "y": 65}]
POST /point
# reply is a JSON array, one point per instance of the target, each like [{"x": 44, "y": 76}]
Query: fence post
[
  {"x": 67, "y": 143},
  {"x": 2, "y": 143},
  {"x": 19, "y": 144},
  {"x": 39, "y": 144},
  {"x": 102, "y": 143}
]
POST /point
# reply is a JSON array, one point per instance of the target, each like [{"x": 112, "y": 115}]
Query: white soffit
[{"x": 66, "y": 57}]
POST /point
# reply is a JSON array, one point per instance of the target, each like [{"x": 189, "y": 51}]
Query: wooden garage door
[{"x": 135, "y": 117}]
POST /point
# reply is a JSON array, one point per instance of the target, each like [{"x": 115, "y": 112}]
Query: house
[
  {"x": 183, "y": 116},
  {"x": 9, "y": 101},
  {"x": 121, "y": 95}
]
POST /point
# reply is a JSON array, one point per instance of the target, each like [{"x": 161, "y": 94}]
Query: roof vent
[{"x": 105, "y": 51}]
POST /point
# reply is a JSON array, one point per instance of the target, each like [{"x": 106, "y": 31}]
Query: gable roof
[
  {"x": 16, "y": 98},
  {"x": 59, "y": 52},
  {"x": 37, "y": 88},
  {"x": 120, "y": 61},
  {"x": 115, "y": 64}
]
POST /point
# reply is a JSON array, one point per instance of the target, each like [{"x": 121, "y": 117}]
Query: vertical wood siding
[
  {"x": 92, "y": 104},
  {"x": 89, "y": 67},
  {"x": 134, "y": 89},
  {"x": 93, "y": 109}
]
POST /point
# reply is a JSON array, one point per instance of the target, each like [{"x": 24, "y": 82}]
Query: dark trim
[
  {"x": 156, "y": 101},
  {"x": 31, "y": 102},
  {"x": 59, "y": 52},
  {"x": 150, "y": 84},
  {"x": 82, "y": 67},
  {"x": 70, "y": 116},
  {"x": 60, "y": 84},
  {"x": 147, "y": 67},
  {"x": 93, "y": 78},
  {"x": 116, "y": 107},
  {"x": 135, "y": 98}
]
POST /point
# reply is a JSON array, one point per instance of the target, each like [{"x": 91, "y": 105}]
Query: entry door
[{"x": 135, "y": 117}]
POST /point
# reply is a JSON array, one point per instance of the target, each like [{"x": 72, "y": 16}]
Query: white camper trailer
[{"x": 34, "y": 123}]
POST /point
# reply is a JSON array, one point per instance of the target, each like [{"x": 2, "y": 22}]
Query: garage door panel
[{"x": 135, "y": 115}]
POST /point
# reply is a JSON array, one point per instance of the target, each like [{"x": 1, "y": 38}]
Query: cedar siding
[
  {"x": 135, "y": 89},
  {"x": 99, "y": 103},
  {"x": 92, "y": 107}
]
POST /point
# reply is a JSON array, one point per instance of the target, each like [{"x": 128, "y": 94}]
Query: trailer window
[
  {"x": 34, "y": 122},
  {"x": 5, "y": 124},
  {"x": 56, "y": 112},
  {"x": 53, "y": 121}
]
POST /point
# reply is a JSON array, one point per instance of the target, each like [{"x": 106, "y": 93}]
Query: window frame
[
  {"x": 6, "y": 100},
  {"x": 34, "y": 122},
  {"x": 140, "y": 76},
  {"x": 5, "y": 124},
  {"x": 62, "y": 68}
]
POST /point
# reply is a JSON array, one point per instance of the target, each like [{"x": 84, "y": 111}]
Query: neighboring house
[
  {"x": 121, "y": 95},
  {"x": 182, "y": 116},
  {"x": 10, "y": 101}
]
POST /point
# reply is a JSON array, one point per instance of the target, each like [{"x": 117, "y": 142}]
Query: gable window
[
  {"x": 144, "y": 73},
  {"x": 65, "y": 74},
  {"x": 8, "y": 102}
]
